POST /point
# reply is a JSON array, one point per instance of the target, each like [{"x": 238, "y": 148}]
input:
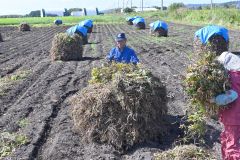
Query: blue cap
[{"x": 120, "y": 37}]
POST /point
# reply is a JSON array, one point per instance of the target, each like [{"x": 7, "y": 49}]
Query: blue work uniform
[
  {"x": 138, "y": 20},
  {"x": 158, "y": 24},
  {"x": 87, "y": 23},
  {"x": 77, "y": 29},
  {"x": 127, "y": 55}
]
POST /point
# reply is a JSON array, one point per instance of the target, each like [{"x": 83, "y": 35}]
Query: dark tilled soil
[{"x": 43, "y": 97}]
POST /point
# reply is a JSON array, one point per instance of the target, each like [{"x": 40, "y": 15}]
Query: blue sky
[{"x": 25, "y": 6}]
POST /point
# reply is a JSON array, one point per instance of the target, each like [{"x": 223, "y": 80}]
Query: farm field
[{"x": 36, "y": 91}]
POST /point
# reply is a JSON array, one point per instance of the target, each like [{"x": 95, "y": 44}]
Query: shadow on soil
[
  {"x": 171, "y": 131},
  {"x": 87, "y": 59},
  {"x": 213, "y": 133},
  {"x": 90, "y": 58},
  {"x": 93, "y": 42}
]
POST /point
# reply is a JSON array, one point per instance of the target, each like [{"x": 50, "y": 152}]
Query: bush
[
  {"x": 36, "y": 13},
  {"x": 175, "y": 6},
  {"x": 128, "y": 10}
]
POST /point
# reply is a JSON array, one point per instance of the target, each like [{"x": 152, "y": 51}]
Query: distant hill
[{"x": 226, "y": 4}]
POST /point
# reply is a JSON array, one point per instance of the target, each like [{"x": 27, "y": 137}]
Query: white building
[
  {"x": 52, "y": 13},
  {"x": 91, "y": 12},
  {"x": 145, "y": 9},
  {"x": 77, "y": 13}
]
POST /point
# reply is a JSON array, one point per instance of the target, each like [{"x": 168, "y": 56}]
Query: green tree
[
  {"x": 70, "y": 10},
  {"x": 128, "y": 10},
  {"x": 175, "y": 6},
  {"x": 36, "y": 13}
]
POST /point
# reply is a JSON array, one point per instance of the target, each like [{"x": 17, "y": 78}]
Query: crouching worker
[
  {"x": 230, "y": 116},
  {"x": 139, "y": 23},
  {"x": 80, "y": 30},
  {"x": 159, "y": 29},
  {"x": 122, "y": 53}
]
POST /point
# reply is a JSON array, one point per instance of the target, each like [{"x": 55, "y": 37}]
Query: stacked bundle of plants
[
  {"x": 24, "y": 27},
  {"x": 122, "y": 106},
  {"x": 185, "y": 152},
  {"x": 66, "y": 47}
]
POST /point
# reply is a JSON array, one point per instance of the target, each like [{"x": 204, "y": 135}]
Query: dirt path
[{"x": 43, "y": 97}]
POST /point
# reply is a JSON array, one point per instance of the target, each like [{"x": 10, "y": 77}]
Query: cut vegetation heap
[
  {"x": 216, "y": 44},
  {"x": 205, "y": 80},
  {"x": 122, "y": 106},
  {"x": 24, "y": 27},
  {"x": 65, "y": 47},
  {"x": 185, "y": 152}
]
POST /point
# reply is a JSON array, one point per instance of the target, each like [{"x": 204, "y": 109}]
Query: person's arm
[
  {"x": 134, "y": 59},
  {"x": 110, "y": 55},
  {"x": 222, "y": 58}
]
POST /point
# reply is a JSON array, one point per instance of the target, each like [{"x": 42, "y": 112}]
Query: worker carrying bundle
[
  {"x": 212, "y": 39},
  {"x": 230, "y": 114}
]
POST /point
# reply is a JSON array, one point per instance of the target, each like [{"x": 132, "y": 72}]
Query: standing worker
[
  {"x": 230, "y": 116},
  {"x": 122, "y": 53}
]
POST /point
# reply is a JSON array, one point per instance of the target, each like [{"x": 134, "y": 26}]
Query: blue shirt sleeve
[
  {"x": 110, "y": 55},
  {"x": 134, "y": 58}
]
